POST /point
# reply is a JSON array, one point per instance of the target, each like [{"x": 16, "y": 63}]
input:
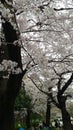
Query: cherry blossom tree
[
  {"x": 52, "y": 51},
  {"x": 44, "y": 32},
  {"x": 11, "y": 70}
]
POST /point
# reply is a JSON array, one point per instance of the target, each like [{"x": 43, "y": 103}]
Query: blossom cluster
[{"x": 10, "y": 67}]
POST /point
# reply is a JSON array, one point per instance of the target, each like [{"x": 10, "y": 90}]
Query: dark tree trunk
[
  {"x": 7, "y": 102},
  {"x": 11, "y": 86},
  {"x": 48, "y": 110},
  {"x": 28, "y": 118},
  {"x": 65, "y": 115},
  {"x": 6, "y": 114}
]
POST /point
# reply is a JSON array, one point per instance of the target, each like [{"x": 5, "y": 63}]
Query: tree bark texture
[
  {"x": 28, "y": 118},
  {"x": 48, "y": 112},
  {"x": 65, "y": 115},
  {"x": 9, "y": 88}
]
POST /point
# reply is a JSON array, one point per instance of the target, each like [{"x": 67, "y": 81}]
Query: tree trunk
[
  {"x": 48, "y": 113},
  {"x": 6, "y": 114},
  {"x": 11, "y": 86},
  {"x": 7, "y": 102},
  {"x": 28, "y": 118},
  {"x": 65, "y": 115}
]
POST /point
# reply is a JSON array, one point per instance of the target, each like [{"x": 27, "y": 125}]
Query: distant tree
[
  {"x": 60, "y": 97},
  {"x": 24, "y": 101},
  {"x": 70, "y": 109}
]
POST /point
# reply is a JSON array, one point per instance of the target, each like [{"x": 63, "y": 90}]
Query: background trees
[{"x": 24, "y": 103}]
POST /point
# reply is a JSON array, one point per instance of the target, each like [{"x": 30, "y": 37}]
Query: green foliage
[
  {"x": 35, "y": 116},
  {"x": 23, "y": 100},
  {"x": 35, "y": 119},
  {"x": 21, "y": 125}
]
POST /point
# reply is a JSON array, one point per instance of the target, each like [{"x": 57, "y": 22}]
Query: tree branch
[
  {"x": 66, "y": 85},
  {"x": 28, "y": 53},
  {"x": 49, "y": 94},
  {"x": 61, "y": 9},
  {"x": 41, "y": 30}
]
